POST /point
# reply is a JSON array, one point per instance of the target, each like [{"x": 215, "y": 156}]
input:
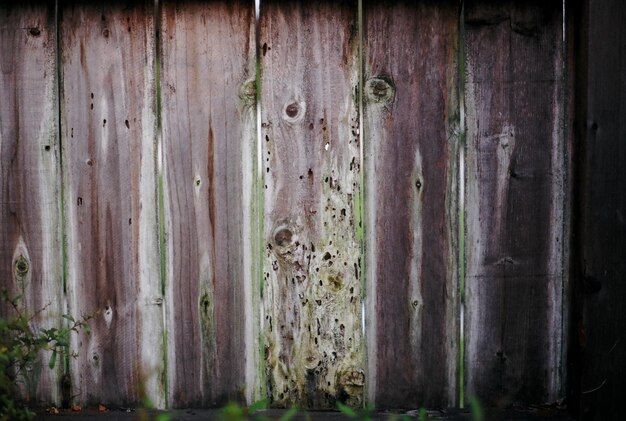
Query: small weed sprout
[{"x": 21, "y": 346}]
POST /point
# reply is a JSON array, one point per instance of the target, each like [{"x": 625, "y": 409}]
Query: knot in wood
[
  {"x": 247, "y": 92},
  {"x": 294, "y": 111},
  {"x": 379, "y": 89},
  {"x": 35, "y": 31},
  {"x": 283, "y": 237},
  {"x": 21, "y": 266},
  {"x": 352, "y": 378}
]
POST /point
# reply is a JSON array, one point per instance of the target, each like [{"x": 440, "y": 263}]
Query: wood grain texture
[
  {"x": 314, "y": 351},
  {"x": 109, "y": 164},
  {"x": 411, "y": 138},
  {"x": 600, "y": 330},
  {"x": 30, "y": 229},
  {"x": 209, "y": 139},
  {"x": 515, "y": 200}
]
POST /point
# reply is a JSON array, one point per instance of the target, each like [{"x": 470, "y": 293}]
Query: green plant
[
  {"x": 476, "y": 409},
  {"x": 21, "y": 346},
  {"x": 364, "y": 414}
]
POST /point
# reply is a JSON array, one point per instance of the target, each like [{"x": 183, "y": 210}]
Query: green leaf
[
  {"x": 423, "y": 414},
  {"x": 232, "y": 411},
  {"x": 53, "y": 360},
  {"x": 262, "y": 404},
  {"x": 287, "y": 416},
  {"x": 476, "y": 409},
  {"x": 347, "y": 411},
  {"x": 163, "y": 417},
  {"x": 69, "y": 317}
]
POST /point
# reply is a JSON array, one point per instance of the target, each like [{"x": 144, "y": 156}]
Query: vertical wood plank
[
  {"x": 411, "y": 122},
  {"x": 603, "y": 230},
  {"x": 209, "y": 138},
  {"x": 314, "y": 351},
  {"x": 515, "y": 200},
  {"x": 30, "y": 234},
  {"x": 109, "y": 149}
]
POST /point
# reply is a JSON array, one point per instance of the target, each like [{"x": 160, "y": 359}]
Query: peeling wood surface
[
  {"x": 600, "y": 330},
  {"x": 109, "y": 149},
  {"x": 515, "y": 200},
  {"x": 314, "y": 350},
  {"x": 411, "y": 119},
  {"x": 30, "y": 230},
  {"x": 209, "y": 123}
]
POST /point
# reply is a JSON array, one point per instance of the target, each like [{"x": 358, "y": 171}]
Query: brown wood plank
[
  {"x": 209, "y": 139},
  {"x": 109, "y": 149},
  {"x": 515, "y": 200},
  {"x": 30, "y": 229},
  {"x": 411, "y": 138},
  {"x": 600, "y": 329},
  {"x": 314, "y": 350}
]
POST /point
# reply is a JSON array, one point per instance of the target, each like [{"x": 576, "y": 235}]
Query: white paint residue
[
  {"x": 415, "y": 296},
  {"x": 504, "y": 153},
  {"x": 108, "y": 315}
]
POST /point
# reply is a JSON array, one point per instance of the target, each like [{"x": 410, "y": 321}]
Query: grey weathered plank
[
  {"x": 411, "y": 121},
  {"x": 515, "y": 200},
  {"x": 602, "y": 240},
  {"x": 110, "y": 192},
  {"x": 30, "y": 233},
  {"x": 209, "y": 144},
  {"x": 314, "y": 350}
]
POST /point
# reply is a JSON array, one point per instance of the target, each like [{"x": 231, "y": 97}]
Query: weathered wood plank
[
  {"x": 209, "y": 138},
  {"x": 411, "y": 121},
  {"x": 314, "y": 351},
  {"x": 515, "y": 200},
  {"x": 600, "y": 331},
  {"x": 30, "y": 229},
  {"x": 110, "y": 193}
]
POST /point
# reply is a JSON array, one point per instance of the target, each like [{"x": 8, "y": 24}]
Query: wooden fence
[{"x": 355, "y": 201}]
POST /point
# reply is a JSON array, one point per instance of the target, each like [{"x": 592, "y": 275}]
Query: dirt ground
[{"x": 126, "y": 414}]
